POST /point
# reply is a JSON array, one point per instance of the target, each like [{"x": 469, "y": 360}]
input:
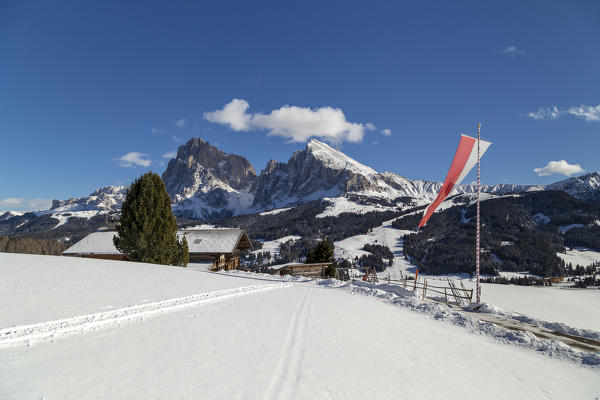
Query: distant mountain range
[{"x": 206, "y": 183}]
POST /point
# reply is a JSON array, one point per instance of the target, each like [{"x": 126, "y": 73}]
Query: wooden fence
[{"x": 450, "y": 292}]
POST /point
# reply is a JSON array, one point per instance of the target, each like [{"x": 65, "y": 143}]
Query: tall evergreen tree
[
  {"x": 324, "y": 252},
  {"x": 147, "y": 229}
]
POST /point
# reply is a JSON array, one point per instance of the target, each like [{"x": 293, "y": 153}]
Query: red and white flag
[{"x": 464, "y": 159}]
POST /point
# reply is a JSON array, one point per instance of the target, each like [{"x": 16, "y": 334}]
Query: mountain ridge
[{"x": 206, "y": 183}]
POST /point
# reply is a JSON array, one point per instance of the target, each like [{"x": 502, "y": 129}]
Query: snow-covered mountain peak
[
  {"x": 586, "y": 187},
  {"x": 203, "y": 180},
  {"x": 107, "y": 198},
  {"x": 335, "y": 159}
]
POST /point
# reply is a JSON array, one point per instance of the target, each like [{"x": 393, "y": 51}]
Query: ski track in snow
[
  {"x": 285, "y": 379},
  {"x": 406, "y": 298},
  {"x": 26, "y": 335}
]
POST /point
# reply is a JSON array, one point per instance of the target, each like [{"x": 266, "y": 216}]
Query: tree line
[{"x": 28, "y": 245}]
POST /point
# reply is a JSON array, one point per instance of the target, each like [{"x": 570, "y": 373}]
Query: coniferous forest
[{"x": 517, "y": 234}]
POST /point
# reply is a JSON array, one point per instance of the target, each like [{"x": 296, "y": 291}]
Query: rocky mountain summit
[
  {"x": 200, "y": 167},
  {"x": 205, "y": 182}
]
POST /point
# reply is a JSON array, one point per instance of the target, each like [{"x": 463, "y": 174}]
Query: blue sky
[{"x": 86, "y": 83}]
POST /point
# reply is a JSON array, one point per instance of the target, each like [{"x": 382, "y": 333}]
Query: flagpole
[{"x": 478, "y": 289}]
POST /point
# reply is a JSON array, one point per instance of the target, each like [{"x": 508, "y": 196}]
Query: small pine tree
[
  {"x": 147, "y": 228},
  {"x": 183, "y": 254}
]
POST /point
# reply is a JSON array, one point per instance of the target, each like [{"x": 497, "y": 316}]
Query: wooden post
[
  {"x": 424, "y": 288},
  {"x": 478, "y": 289},
  {"x": 416, "y": 278}
]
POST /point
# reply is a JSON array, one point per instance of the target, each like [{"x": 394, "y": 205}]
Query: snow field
[
  {"x": 581, "y": 256},
  {"x": 406, "y": 298},
  {"x": 304, "y": 342},
  {"x": 576, "y": 307},
  {"x": 314, "y": 339},
  {"x": 45, "y": 288},
  {"x": 29, "y": 334}
]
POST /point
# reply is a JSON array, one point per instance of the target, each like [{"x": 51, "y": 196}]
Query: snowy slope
[
  {"x": 273, "y": 246},
  {"x": 300, "y": 341},
  {"x": 384, "y": 235},
  {"x": 581, "y": 256},
  {"x": 339, "y": 205}
]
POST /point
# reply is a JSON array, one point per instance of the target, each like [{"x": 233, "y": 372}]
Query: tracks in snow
[
  {"x": 33, "y": 333},
  {"x": 285, "y": 379}
]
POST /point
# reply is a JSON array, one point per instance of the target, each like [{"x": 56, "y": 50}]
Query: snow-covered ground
[
  {"x": 274, "y": 246},
  {"x": 581, "y": 256},
  {"x": 243, "y": 336},
  {"x": 276, "y": 211},
  {"x": 384, "y": 235},
  {"x": 342, "y": 204},
  {"x": 576, "y": 307},
  {"x": 510, "y": 275}
]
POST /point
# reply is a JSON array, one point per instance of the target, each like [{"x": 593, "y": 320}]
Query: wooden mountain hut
[
  {"x": 220, "y": 248},
  {"x": 213, "y": 248}
]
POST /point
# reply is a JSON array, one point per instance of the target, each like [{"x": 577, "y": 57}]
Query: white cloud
[
  {"x": 177, "y": 139},
  {"x": 134, "y": 158},
  {"x": 157, "y": 131},
  {"x": 511, "y": 51},
  {"x": 559, "y": 167},
  {"x": 11, "y": 202},
  {"x": 180, "y": 123},
  {"x": 386, "y": 132},
  {"x": 18, "y": 204},
  {"x": 298, "y": 124},
  {"x": 232, "y": 114},
  {"x": 545, "y": 113},
  {"x": 170, "y": 154},
  {"x": 589, "y": 113}
]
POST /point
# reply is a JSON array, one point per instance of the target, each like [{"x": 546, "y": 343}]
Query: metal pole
[{"x": 478, "y": 221}]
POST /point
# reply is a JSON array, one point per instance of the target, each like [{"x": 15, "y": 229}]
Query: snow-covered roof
[
  {"x": 300, "y": 265},
  {"x": 100, "y": 242},
  {"x": 210, "y": 241},
  {"x": 207, "y": 241}
]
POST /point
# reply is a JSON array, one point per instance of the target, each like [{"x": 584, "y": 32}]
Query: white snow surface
[
  {"x": 133, "y": 330},
  {"x": 214, "y": 240},
  {"x": 273, "y": 246},
  {"x": 100, "y": 242},
  {"x": 578, "y": 308},
  {"x": 384, "y": 235},
  {"x": 342, "y": 204},
  {"x": 63, "y": 218},
  {"x": 276, "y": 211},
  {"x": 581, "y": 256},
  {"x": 335, "y": 159}
]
